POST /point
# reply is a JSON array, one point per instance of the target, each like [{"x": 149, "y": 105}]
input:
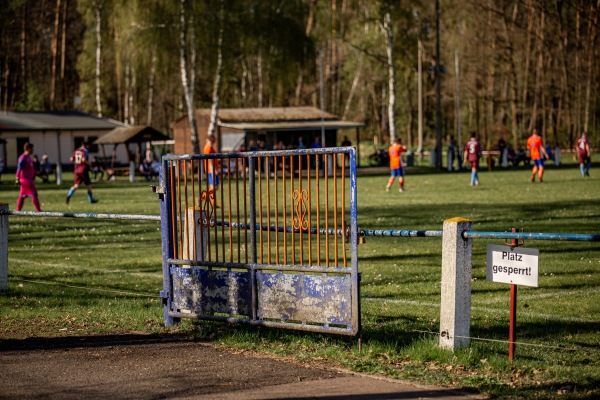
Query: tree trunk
[
  {"x": 63, "y": 52},
  {"x": 410, "y": 108},
  {"x": 188, "y": 81},
  {"x": 23, "y": 54},
  {"x": 309, "y": 24},
  {"x": 420, "y": 100},
  {"x": 214, "y": 111},
  {"x": 590, "y": 64},
  {"x": 243, "y": 84},
  {"x": 577, "y": 70},
  {"x": 259, "y": 74},
  {"x": 563, "y": 44},
  {"x": 54, "y": 54},
  {"x": 98, "y": 11},
  {"x": 131, "y": 98},
  {"x": 538, "y": 72},
  {"x": 387, "y": 24},
  {"x": 513, "y": 81},
  {"x": 334, "y": 58},
  {"x": 376, "y": 115},
  {"x": 355, "y": 82},
  {"x": 457, "y": 79},
  {"x": 118, "y": 77},
  {"x": 530, "y": 18},
  {"x": 491, "y": 79},
  {"x": 151, "y": 79},
  {"x": 126, "y": 111}
]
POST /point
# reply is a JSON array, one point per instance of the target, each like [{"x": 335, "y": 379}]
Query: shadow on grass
[{"x": 66, "y": 342}]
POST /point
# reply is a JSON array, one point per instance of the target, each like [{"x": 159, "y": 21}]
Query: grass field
[{"x": 70, "y": 277}]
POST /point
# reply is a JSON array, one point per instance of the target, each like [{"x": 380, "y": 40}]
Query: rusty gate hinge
[{"x": 164, "y": 295}]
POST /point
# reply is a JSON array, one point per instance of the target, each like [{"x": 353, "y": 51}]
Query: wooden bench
[{"x": 117, "y": 171}]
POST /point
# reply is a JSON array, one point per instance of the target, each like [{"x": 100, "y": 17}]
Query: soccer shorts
[
  {"x": 397, "y": 172},
  {"x": 213, "y": 180}
]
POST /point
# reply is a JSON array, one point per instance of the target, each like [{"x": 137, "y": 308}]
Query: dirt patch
[{"x": 131, "y": 366}]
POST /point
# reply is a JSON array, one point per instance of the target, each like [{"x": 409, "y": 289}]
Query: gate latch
[
  {"x": 160, "y": 190},
  {"x": 360, "y": 237}
]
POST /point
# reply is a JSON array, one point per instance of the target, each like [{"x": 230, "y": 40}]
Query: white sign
[{"x": 514, "y": 265}]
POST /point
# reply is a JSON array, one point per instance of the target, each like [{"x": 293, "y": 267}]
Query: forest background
[{"x": 520, "y": 63}]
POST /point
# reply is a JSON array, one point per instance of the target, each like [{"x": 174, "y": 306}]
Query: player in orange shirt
[
  {"x": 536, "y": 150},
  {"x": 395, "y": 151},
  {"x": 211, "y": 167}
]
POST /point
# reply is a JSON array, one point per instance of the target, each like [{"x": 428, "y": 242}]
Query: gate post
[
  {"x": 455, "y": 310},
  {"x": 3, "y": 247},
  {"x": 167, "y": 244}
]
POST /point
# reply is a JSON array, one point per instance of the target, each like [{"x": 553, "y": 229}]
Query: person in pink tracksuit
[{"x": 26, "y": 178}]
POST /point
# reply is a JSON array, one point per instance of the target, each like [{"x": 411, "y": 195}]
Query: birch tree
[
  {"x": 389, "y": 36},
  {"x": 593, "y": 23},
  {"x": 214, "y": 111},
  {"x": 188, "y": 70},
  {"x": 54, "y": 53},
  {"x": 97, "y": 4}
]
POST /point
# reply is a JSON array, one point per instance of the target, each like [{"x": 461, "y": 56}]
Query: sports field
[{"x": 70, "y": 277}]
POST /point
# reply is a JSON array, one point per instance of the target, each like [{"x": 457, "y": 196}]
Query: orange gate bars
[{"x": 265, "y": 238}]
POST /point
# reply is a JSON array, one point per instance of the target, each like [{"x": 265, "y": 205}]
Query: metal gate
[{"x": 274, "y": 244}]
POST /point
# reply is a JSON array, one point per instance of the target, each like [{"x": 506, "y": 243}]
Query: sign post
[{"x": 516, "y": 266}]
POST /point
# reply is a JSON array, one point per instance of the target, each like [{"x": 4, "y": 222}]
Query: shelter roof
[
  {"x": 291, "y": 126},
  {"x": 53, "y": 120},
  {"x": 132, "y": 134},
  {"x": 273, "y": 114},
  {"x": 292, "y": 118}
]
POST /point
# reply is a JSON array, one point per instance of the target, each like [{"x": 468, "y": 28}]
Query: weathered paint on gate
[{"x": 275, "y": 244}]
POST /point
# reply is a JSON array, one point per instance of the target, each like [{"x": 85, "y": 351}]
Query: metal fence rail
[
  {"x": 138, "y": 217},
  {"x": 576, "y": 237}
]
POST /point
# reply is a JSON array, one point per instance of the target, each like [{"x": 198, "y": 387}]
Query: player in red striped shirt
[
  {"x": 82, "y": 172},
  {"x": 472, "y": 153},
  {"x": 584, "y": 153}
]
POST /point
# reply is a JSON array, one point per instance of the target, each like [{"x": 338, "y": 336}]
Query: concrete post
[
  {"x": 455, "y": 310},
  {"x": 131, "y": 171},
  {"x": 3, "y": 248}
]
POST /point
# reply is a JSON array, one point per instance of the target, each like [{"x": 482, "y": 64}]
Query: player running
[{"x": 82, "y": 172}]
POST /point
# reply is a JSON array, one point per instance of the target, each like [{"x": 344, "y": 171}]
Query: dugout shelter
[{"x": 237, "y": 128}]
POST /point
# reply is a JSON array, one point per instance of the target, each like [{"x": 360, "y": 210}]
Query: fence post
[
  {"x": 455, "y": 310},
  {"x": 131, "y": 171},
  {"x": 3, "y": 247}
]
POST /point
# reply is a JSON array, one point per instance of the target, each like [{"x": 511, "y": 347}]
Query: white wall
[{"x": 45, "y": 142}]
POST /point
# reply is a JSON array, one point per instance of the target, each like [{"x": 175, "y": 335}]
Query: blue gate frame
[{"x": 222, "y": 261}]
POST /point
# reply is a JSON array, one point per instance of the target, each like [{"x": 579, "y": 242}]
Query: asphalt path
[{"x": 152, "y": 367}]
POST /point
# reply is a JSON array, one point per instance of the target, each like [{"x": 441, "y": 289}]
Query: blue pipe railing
[{"x": 577, "y": 237}]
